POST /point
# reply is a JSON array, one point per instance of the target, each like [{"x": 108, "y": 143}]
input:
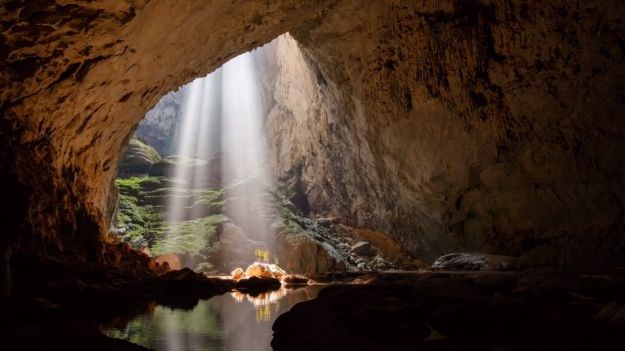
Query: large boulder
[
  {"x": 300, "y": 253},
  {"x": 364, "y": 248},
  {"x": 137, "y": 159},
  {"x": 258, "y": 269}
]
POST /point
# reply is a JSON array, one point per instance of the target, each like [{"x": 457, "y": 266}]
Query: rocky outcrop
[
  {"x": 303, "y": 254},
  {"x": 137, "y": 159},
  {"x": 474, "y": 262},
  {"x": 364, "y": 248},
  {"x": 161, "y": 124},
  {"x": 483, "y": 126},
  {"x": 474, "y": 126}
]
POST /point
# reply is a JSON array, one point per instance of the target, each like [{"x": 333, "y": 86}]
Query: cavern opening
[
  {"x": 395, "y": 175},
  {"x": 201, "y": 184}
]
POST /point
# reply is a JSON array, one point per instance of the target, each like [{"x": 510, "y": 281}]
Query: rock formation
[{"x": 480, "y": 125}]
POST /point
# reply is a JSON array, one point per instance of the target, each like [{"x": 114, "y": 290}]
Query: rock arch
[{"x": 480, "y": 125}]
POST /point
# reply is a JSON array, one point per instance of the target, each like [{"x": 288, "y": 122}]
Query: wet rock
[
  {"x": 259, "y": 270},
  {"x": 364, "y": 248},
  {"x": 459, "y": 311},
  {"x": 294, "y": 279},
  {"x": 612, "y": 315},
  {"x": 257, "y": 285},
  {"x": 237, "y": 273},
  {"x": 173, "y": 261},
  {"x": 473, "y": 262}
]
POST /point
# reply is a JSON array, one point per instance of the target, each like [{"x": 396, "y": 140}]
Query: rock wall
[
  {"x": 483, "y": 125},
  {"x": 161, "y": 125}
]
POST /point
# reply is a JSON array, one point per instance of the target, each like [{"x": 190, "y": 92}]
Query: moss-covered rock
[
  {"x": 207, "y": 172},
  {"x": 137, "y": 159}
]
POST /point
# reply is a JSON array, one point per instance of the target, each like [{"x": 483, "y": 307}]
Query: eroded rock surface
[
  {"x": 483, "y": 126},
  {"x": 474, "y": 262}
]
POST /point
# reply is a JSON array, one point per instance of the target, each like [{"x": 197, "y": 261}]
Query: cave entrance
[{"x": 194, "y": 182}]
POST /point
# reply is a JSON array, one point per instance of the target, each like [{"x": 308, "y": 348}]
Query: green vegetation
[
  {"x": 188, "y": 237},
  {"x": 142, "y": 185},
  {"x": 141, "y": 223},
  {"x": 289, "y": 222},
  {"x": 166, "y": 165},
  {"x": 143, "y": 198},
  {"x": 211, "y": 200}
]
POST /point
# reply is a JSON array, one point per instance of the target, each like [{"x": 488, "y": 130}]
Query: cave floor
[
  {"x": 540, "y": 310},
  {"x": 546, "y": 310}
]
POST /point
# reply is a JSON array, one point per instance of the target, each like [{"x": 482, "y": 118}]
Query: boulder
[
  {"x": 237, "y": 273},
  {"x": 137, "y": 159},
  {"x": 473, "y": 262},
  {"x": 300, "y": 253},
  {"x": 364, "y": 248},
  {"x": 294, "y": 279},
  {"x": 258, "y": 269},
  {"x": 276, "y": 271},
  {"x": 172, "y": 260},
  {"x": 257, "y": 285}
]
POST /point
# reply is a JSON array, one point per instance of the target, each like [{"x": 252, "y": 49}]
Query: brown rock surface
[
  {"x": 487, "y": 126},
  {"x": 172, "y": 260},
  {"x": 301, "y": 254}
]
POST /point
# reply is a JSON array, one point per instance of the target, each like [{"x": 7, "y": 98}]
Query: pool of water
[{"x": 233, "y": 322}]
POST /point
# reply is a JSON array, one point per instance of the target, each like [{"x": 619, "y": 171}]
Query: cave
[{"x": 442, "y": 175}]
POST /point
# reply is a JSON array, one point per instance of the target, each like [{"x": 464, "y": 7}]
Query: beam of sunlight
[
  {"x": 244, "y": 146},
  {"x": 222, "y": 144},
  {"x": 185, "y": 146}
]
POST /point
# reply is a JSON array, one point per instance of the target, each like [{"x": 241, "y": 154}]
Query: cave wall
[
  {"x": 485, "y": 126},
  {"x": 476, "y": 125},
  {"x": 78, "y": 76}
]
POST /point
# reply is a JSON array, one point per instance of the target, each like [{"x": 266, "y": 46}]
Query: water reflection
[{"x": 234, "y": 321}]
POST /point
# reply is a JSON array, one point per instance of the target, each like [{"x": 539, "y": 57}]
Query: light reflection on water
[{"x": 234, "y": 321}]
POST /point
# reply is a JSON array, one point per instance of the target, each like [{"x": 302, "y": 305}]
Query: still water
[{"x": 233, "y": 322}]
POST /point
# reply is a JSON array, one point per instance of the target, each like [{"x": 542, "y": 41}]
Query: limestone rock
[
  {"x": 300, "y": 253},
  {"x": 259, "y": 270},
  {"x": 137, "y": 159},
  {"x": 364, "y": 248},
  {"x": 237, "y": 273},
  {"x": 473, "y": 262},
  {"x": 454, "y": 125},
  {"x": 255, "y": 285},
  {"x": 294, "y": 279},
  {"x": 173, "y": 261}
]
